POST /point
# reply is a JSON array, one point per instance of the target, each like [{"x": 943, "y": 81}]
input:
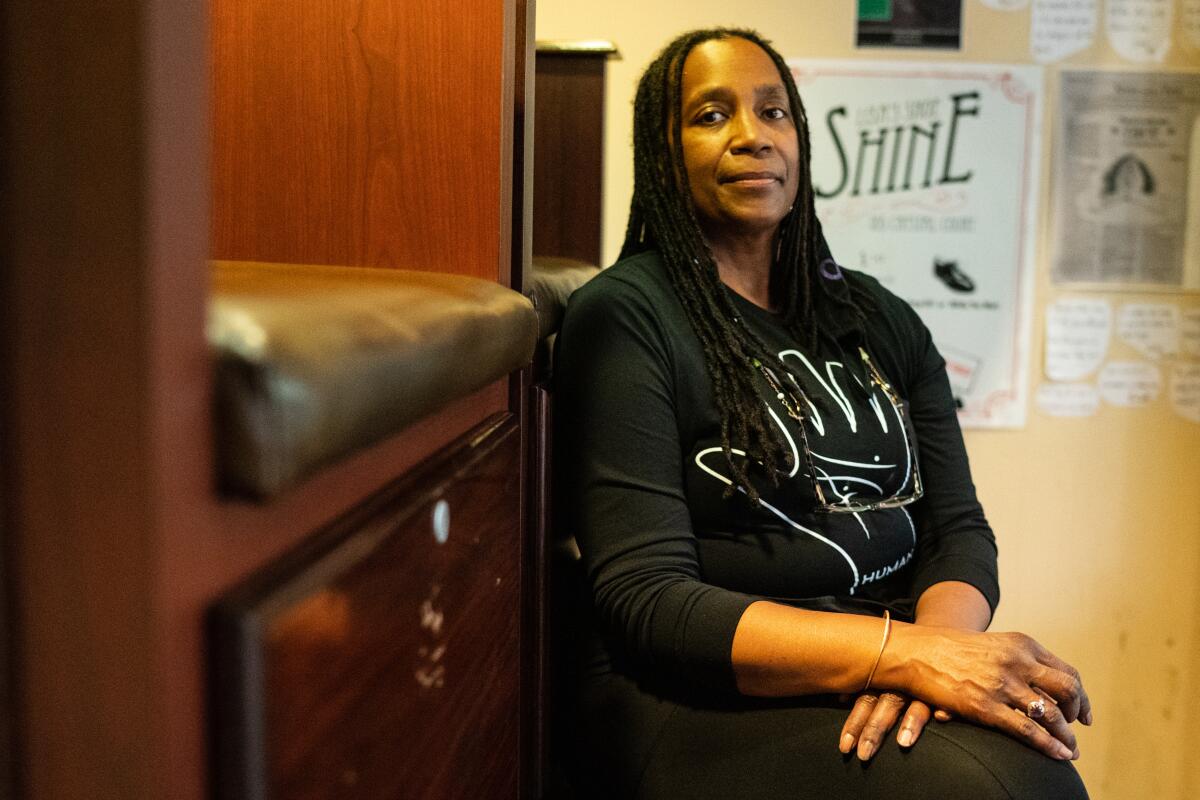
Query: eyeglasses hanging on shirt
[{"x": 910, "y": 489}]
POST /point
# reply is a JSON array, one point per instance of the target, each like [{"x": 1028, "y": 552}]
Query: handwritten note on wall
[
  {"x": 1061, "y": 27},
  {"x": 1150, "y": 328},
  {"x": 1068, "y": 399},
  {"x": 1077, "y": 334},
  {"x": 1189, "y": 332},
  {"x": 1129, "y": 383},
  {"x": 1139, "y": 30},
  {"x": 1185, "y": 391}
]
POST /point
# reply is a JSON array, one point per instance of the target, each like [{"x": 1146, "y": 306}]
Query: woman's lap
[{"x": 636, "y": 744}]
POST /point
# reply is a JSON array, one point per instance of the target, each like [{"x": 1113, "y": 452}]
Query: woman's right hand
[{"x": 990, "y": 678}]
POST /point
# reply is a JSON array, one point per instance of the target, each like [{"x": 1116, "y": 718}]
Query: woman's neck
[{"x": 744, "y": 265}]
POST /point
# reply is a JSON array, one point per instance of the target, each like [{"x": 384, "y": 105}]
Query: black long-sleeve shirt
[{"x": 671, "y": 562}]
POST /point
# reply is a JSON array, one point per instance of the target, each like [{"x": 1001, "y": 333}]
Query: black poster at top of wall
[{"x": 910, "y": 23}]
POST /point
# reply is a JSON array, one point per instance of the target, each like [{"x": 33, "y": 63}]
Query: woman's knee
[{"x": 997, "y": 766}]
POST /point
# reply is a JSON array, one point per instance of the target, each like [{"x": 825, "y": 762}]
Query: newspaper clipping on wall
[
  {"x": 926, "y": 178},
  {"x": 1126, "y": 195}
]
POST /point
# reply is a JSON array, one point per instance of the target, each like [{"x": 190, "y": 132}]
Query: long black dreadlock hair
[{"x": 662, "y": 217}]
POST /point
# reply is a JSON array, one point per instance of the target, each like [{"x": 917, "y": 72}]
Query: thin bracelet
[{"x": 887, "y": 629}]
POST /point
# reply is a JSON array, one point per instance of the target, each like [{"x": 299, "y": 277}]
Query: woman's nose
[{"x": 749, "y": 133}]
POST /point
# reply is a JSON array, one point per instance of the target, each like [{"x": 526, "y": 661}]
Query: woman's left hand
[{"x": 875, "y": 713}]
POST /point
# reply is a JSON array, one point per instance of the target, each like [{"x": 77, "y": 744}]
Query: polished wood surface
[
  {"x": 370, "y": 133},
  {"x": 104, "y": 232},
  {"x": 383, "y": 659},
  {"x": 568, "y": 148},
  {"x": 118, "y": 541}
]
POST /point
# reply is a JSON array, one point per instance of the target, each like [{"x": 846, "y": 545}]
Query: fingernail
[
  {"x": 905, "y": 739},
  {"x": 1064, "y": 752},
  {"x": 1075, "y": 755},
  {"x": 847, "y": 743},
  {"x": 866, "y": 750}
]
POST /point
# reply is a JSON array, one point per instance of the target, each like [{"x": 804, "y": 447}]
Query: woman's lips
[{"x": 751, "y": 179}]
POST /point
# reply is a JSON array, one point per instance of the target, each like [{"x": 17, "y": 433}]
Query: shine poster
[{"x": 926, "y": 177}]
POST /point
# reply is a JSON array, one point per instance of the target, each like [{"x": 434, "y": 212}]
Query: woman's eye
[
  {"x": 775, "y": 113},
  {"x": 710, "y": 117}
]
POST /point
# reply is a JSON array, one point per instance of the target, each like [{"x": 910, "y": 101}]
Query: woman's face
[{"x": 740, "y": 147}]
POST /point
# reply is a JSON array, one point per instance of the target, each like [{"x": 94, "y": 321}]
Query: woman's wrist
[
  {"x": 953, "y": 604},
  {"x": 903, "y": 661}
]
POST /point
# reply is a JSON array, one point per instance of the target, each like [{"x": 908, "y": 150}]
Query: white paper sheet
[
  {"x": 1061, "y": 27},
  {"x": 1068, "y": 399},
  {"x": 1139, "y": 30},
  {"x": 1185, "y": 391},
  {"x": 1129, "y": 383},
  {"x": 1189, "y": 332},
  {"x": 1077, "y": 335},
  {"x": 1005, "y": 5},
  {"x": 1150, "y": 328}
]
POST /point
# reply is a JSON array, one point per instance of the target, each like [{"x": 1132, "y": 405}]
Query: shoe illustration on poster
[{"x": 949, "y": 273}]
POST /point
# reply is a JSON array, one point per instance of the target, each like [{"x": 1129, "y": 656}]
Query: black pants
[{"x": 632, "y": 742}]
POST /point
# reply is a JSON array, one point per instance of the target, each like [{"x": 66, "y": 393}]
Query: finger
[
  {"x": 1066, "y": 685},
  {"x": 883, "y": 717},
  {"x": 859, "y": 715},
  {"x": 1041, "y": 707},
  {"x": 915, "y": 719},
  {"x": 1066, "y": 688},
  {"x": 942, "y": 716},
  {"x": 1017, "y": 725}
]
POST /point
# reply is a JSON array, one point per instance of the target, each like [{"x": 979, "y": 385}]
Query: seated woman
[{"x": 761, "y": 462}]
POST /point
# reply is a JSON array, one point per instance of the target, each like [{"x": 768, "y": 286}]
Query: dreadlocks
[{"x": 663, "y": 218}]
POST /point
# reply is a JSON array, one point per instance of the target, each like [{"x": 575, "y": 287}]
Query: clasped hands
[{"x": 989, "y": 678}]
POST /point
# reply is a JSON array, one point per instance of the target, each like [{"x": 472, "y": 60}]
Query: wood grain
[
  {"x": 104, "y": 229},
  {"x": 568, "y": 155},
  {"x": 381, "y": 661},
  {"x": 364, "y": 133},
  {"x": 117, "y": 540}
]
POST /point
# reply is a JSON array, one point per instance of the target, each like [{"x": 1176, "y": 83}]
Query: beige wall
[{"x": 1098, "y": 519}]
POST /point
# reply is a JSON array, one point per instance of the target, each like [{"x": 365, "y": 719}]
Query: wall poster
[
  {"x": 926, "y": 177},
  {"x": 1126, "y": 193},
  {"x": 909, "y": 23}
]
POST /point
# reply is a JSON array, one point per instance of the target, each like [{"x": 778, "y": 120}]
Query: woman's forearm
[
  {"x": 779, "y": 650},
  {"x": 954, "y": 604},
  {"x": 987, "y": 678}
]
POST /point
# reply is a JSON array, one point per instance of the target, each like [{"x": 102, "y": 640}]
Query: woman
[{"x": 761, "y": 463}]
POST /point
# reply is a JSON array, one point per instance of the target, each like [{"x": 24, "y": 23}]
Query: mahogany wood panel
[
  {"x": 364, "y": 132},
  {"x": 568, "y": 155},
  {"x": 383, "y": 659},
  {"x": 103, "y": 225},
  {"x": 118, "y": 541}
]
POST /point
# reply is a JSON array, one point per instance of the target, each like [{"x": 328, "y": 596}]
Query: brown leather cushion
[
  {"x": 549, "y": 285},
  {"x": 315, "y": 362}
]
